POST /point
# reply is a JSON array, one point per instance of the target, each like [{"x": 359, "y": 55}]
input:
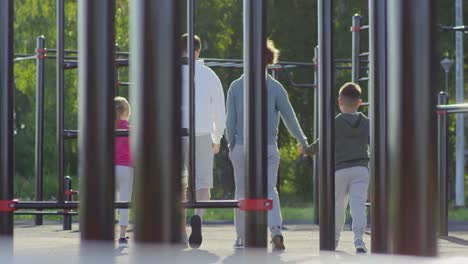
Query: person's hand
[
  {"x": 215, "y": 148},
  {"x": 300, "y": 149}
]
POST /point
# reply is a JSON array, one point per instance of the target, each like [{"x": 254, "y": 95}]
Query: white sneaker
[
  {"x": 123, "y": 242},
  {"x": 238, "y": 244},
  {"x": 360, "y": 246}
]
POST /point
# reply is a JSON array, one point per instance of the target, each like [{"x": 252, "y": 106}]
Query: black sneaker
[
  {"x": 195, "y": 238},
  {"x": 278, "y": 243},
  {"x": 123, "y": 242}
]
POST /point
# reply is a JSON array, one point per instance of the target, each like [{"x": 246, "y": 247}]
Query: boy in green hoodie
[{"x": 351, "y": 163}]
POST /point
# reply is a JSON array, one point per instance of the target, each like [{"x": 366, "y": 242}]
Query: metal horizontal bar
[
  {"x": 71, "y": 134},
  {"x": 365, "y": 104},
  {"x": 364, "y": 54},
  {"x": 457, "y": 28},
  {"x": 124, "y": 83},
  {"x": 58, "y": 205},
  {"x": 67, "y": 65},
  {"x": 459, "y": 111},
  {"x": 363, "y": 79},
  {"x": 365, "y": 27},
  {"x": 75, "y": 205},
  {"x": 454, "y": 108},
  {"x": 212, "y": 204},
  {"x": 45, "y": 213},
  {"x": 32, "y": 57}
]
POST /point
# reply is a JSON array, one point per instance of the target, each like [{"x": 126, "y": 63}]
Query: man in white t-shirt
[{"x": 209, "y": 128}]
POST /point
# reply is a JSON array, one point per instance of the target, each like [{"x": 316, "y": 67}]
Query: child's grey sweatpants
[{"x": 351, "y": 183}]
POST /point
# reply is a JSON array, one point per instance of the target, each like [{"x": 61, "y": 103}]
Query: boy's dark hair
[
  {"x": 350, "y": 93},
  {"x": 184, "y": 40},
  {"x": 272, "y": 53}
]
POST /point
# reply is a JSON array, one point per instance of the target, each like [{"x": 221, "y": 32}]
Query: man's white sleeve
[{"x": 218, "y": 110}]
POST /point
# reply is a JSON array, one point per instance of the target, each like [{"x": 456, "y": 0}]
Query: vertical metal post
[
  {"x": 442, "y": 156},
  {"x": 255, "y": 119},
  {"x": 60, "y": 96},
  {"x": 156, "y": 100},
  {"x": 67, "y": 218},
  {"x": 39, "y": 160},
  {"x": 412, "y": 83},
  {"x": 191, "y": 68},
  {"x": 316, "y": 117},
  {"x": 96, "y": 118},
  {"x": 326, "y": 126},
  {"x": 460, "y": 126},
  {"x": 356, "y": 43},
  {"x": 378, "y": 125},
  {"x": 116, "y": 72},
  {"x": 6, "y": 122}
]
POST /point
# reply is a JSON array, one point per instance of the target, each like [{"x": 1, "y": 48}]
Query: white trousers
[
  {"x": 124, "y": 184},
  {"x": 274, "y": 216},
  {"x": 351, "y": 183}
]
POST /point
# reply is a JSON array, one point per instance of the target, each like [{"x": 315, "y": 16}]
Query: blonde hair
[
  {"x": 121, "y": 106},
  {"x": 272, "y": 53}
]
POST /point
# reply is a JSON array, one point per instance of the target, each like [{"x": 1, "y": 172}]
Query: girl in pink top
[{"x": 123, "y": 165}]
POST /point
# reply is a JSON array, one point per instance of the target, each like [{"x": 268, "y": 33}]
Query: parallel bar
[
  {"x": 212, "y": 204},
  {"x": 39, "y": 159},
  {"x": 326, "y": 126},
  {"x": 156, "y": 100},
  {"x": 412, "y": 159},
  {"x": 453, "y": 107},
  {"x": 378, "y": 126},
  {"x": 41, "y": 213},
  {"x": 356, "y": 48},
  {"x": 366, "y": 27},
  {"x": 316, "y": 157},
  {"x": 6, "y": 121},
  {"x": 442, "y": 160},
  {"x": 462, "y": 28},
  {"x": 71, "y": 205},
  {"x": 63, "y": 205},
  {"x": 96, "y": 119},
  {"x": 255, "y": 125},
  {"x": 455, "y": 111},
  {"x": 72, "y": 134},
  {"x": 191, "y": 72},
  {"x": 60, "y": 97}
]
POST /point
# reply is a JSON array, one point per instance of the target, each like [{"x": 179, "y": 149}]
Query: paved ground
[{"x": 49, "y": 244}]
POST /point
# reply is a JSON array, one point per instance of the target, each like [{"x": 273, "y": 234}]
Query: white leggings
[{"x": 124, "y": 183}]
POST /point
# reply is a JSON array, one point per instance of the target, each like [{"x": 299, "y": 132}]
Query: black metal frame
[
  {"x": 326, "y": 126},
  {"x": 39, "y": 159},
  {"x": 412, "y": 158},
  {"x": 6, "y": 119},
  {"x": 378, "y": 125}
]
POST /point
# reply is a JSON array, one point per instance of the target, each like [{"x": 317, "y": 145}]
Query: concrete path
[{"x": 49, "y": 244}]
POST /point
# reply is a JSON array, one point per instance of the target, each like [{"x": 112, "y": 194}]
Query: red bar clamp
[
  {"x": 441, "y": 112},
  {"x": 355, "y": 29},
  {"x": 8, "y": 205},
  {"x": 41, "y": 53},
  {"x": 255, "y": 204},
  {"x": 71, "y": 192}
]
